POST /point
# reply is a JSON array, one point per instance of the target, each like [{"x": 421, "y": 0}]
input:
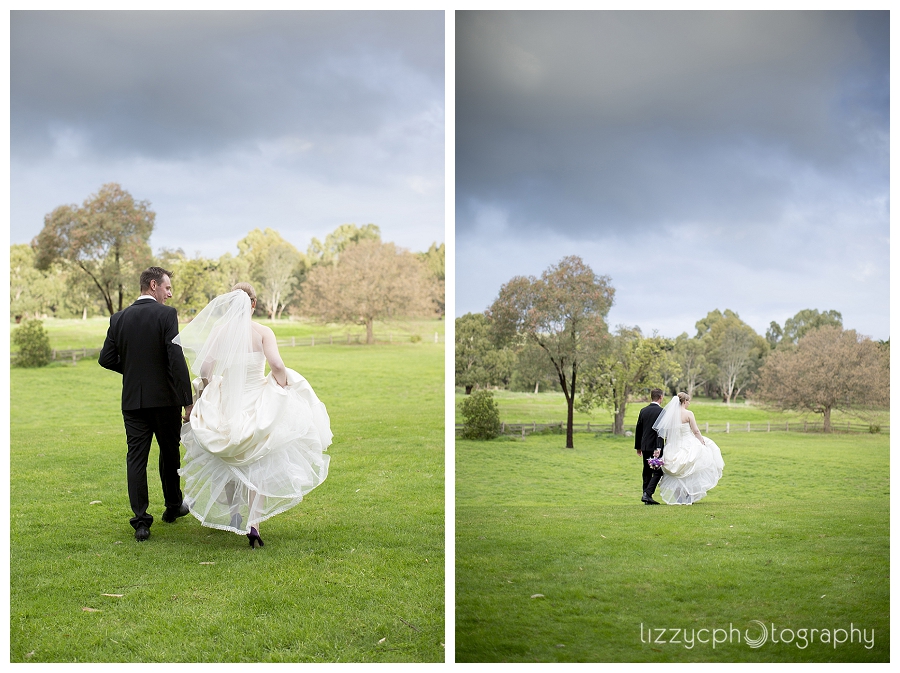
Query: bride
[
  {"x": 692, "y": 463},
  {"x": 253, "y": 443}
]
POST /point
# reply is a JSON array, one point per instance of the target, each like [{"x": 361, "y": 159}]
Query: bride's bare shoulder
[{"x": 262, "y": 330}]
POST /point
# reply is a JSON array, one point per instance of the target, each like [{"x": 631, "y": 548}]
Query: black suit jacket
[
  {"x": 139, "y": 346},
  {"x": 645, "y": 437}
]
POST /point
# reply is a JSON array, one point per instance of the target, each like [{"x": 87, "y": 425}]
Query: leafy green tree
[
  {"x": 630, "y": 363},
  {"x": 107, "y": 238},
  {"x": 733, "y": 351},
  {"x": 831, "y": 368},
  {"x": 690, "y": 355},
  {"x": 481, "y": 416},
  {"x": 479, "y": 362},
  {"x": 338, "y": 241},
  {"x": 32, "y": 292},
  {"x": 797, "y": 327},
  {"x": 532, "y": 369},
  {"x": 433, "y": 259},
  {"x": 276, "y": 268},
  {"x": 195, "y": 281},
  {"x": 371, "y": 280},
  {"x": 564, "y": 313},
  {"x": 33, "y": 343}
]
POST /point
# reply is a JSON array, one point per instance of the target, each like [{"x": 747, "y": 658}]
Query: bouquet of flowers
[{"x": 656, "y": 462}]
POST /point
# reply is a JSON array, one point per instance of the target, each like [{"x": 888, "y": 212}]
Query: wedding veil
[
  {"x": 669, "y": 421},
  {"x": 217, "y": 345}
]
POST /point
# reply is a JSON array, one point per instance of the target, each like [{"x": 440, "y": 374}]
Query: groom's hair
[
  {"x": 153, "y": 273},
  {"x": 656, "y": 394}
]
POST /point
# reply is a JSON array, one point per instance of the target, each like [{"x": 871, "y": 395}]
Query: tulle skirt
[
  {"x": 690, "y": 470},
  {"x": 242, "y": 470}
]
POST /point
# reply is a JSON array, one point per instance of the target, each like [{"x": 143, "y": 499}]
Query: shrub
[
  {"x": 874, "y": 428},
  {"x": 33, "y": 343},
  {"x": 415, "y": 338},
  {"x": 481, "y": 416}
]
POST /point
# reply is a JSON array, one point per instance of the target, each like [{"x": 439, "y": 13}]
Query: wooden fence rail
[
  {"x": 75, "y": 354},
  {"x": 727, "y": 427}
]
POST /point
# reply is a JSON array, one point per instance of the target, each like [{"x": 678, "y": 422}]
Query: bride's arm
[
  {"x": 276, "y": 364},
  {"x": 694, "y": 427}
]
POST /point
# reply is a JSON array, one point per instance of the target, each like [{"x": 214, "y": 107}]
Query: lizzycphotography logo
[{"x": 758, "y": 634}]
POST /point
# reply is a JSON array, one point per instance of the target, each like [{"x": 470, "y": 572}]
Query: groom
[
  {"x": 155, "y": 387},
  {"x": 646, "y": 441}
]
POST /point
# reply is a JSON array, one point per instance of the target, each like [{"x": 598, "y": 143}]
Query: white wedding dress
[
  {"x": 242, "y": 470},
  {"x": 690, "y": 468},
  {"x": 252, "y": 448}
]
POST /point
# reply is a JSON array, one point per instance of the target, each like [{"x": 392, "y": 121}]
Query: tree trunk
[
  {"x": 536, "y": 386},
  {"x": 370, "y": 337},
  {"x": 570, "y": 401},
  {"x": 469, "y": 390},
  {"x": 827, "y": 425},
  {"x": 84, "y": 313},
  {"x": 619, "y": 420}
]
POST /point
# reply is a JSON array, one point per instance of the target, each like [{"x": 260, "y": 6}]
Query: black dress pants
[
  {"x": 140, "y": 427},
  {"x": 651, "y": 476}
]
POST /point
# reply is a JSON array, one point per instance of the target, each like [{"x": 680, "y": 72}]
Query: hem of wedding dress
[{"x": 232, "y": 529}]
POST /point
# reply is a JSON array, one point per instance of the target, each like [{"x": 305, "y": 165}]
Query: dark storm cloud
[
  {"x": 598, "y": 120},
  {"x": 227, "y": 121},
  {"x": 164, "y": 84},
  {"x": 740, "y": 159}
]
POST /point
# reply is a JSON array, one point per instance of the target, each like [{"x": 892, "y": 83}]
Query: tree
[
  {"x": 733, "y": 352},
  {"x": 279, "y": 276},
  {"x": 690, "y": 356},
  {"x": 797, "y": 327},
  {"x": 338, "y": 241},
  {"x": 831, "y": 368},
  {"x": 275, "y": 267},
  {"x": 107, "y": 238},
  {"x": 532, "y": 369},
  {"x": 371, "y": 280},
  {"x": 195, "y": 281},
  {"x": 630, "y": 363},
  {"x": 564, "y": 312},
  {"x": 433, "y": 259},
  {"x": 479, "y": 363},
  {"x": 31, "y": 292},
  {"x": 734, "y": 359}
]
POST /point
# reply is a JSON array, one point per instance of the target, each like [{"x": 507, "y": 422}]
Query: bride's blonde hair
[{"x": 684, "y": 398}]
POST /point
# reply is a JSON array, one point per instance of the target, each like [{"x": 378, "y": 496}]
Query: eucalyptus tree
[
  {"x": 564, "y": 313},
  {"x": 107, "y": 238}
]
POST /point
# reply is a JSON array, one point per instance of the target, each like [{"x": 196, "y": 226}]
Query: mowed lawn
[
  {"x": 353, "y": 573},
  {"x": 557, "y": 560}
]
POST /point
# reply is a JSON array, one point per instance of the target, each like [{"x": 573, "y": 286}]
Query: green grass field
[
  {"x": 355, "y": 573},
  {"x": 796, "y": 535}
]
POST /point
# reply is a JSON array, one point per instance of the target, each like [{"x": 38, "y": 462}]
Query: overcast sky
[
  {"x": 734, "y": 160},
  {"x": 230, "y": 121}
]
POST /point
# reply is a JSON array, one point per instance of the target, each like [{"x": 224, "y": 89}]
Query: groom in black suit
[
  {"x": 155, "y": 387},
  {"x": 646, "y": 441}
]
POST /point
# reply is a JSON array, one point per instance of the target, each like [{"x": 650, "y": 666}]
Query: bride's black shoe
[{"x": 255, "y": 539}]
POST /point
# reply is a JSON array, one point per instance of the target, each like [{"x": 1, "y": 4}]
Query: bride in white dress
[
  {"x": 692, "y": 463},
  {"x": 254, "y": 443}
]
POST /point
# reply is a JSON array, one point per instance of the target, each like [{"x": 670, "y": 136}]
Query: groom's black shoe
[
  {"x": 170, "y": 515},
  {"x": 648, "y": 500},
  {"x": 141, "y": 533}
]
